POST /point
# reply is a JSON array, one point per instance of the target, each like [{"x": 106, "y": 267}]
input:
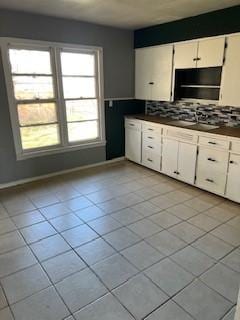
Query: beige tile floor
[{"x": 118, "y": 242}]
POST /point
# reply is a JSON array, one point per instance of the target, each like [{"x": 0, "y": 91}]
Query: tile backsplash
[{"x": 212, "y": 114}]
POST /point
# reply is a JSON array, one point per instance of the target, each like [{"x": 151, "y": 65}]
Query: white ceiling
[{"x": 131, "y": 14}]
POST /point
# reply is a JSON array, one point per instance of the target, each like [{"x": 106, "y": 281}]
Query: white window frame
[{"x": 55, "y": 48}]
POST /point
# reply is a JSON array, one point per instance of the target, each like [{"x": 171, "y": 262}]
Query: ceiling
[{"x": 129, "y": 14}]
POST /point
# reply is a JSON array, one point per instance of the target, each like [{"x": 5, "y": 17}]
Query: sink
[
  {"x": 181, "y": 123},
  {"x": 203, "y": 126}
]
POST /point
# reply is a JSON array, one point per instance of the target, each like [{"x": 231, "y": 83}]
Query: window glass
[
  {"x": 26, "y": 88},
  {"x": 77, "y": 64},
  {"x": 80, "y": 131},
  {"x": 37, "y": 113},
  {"x": 30, "y": 61},
  {"x": 75, "y": 87},
  {"x": 79, "y": 110},
  {"x": 39, "y": 136}
]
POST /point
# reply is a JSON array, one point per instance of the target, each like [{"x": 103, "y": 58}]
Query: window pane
[
  {"x": 39, "y": 136},
  {"x": 30, "y": 61},
  {"x": 79, "y": 131},
  {"x": 37, "y": 113},
  {"x": 26, "y": 88},
  {"x": 79, "y": 87},
  {"x": 79, "y": 110},
  {"x": 78, "y": 64}
]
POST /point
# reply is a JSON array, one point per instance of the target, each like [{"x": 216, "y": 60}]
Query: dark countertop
[{"x": 222, "y": 130}]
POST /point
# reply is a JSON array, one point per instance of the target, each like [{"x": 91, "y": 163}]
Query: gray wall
[{"x": 118, "y": 83}]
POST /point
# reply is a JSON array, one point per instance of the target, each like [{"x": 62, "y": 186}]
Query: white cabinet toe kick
[{"x": 208, "y": 161}]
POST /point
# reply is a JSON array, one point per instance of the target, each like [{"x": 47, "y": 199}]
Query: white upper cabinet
[
  {"x": 153, "y": 75},
  {"x": 162, "y": 72},
  {"x": 200, "y": 54},
  {"x": 230, "y": 86},
  {"x": 185, "y": 55},
  {"x": 143, "y": 73},
  {"x": 210, "y": 53}
]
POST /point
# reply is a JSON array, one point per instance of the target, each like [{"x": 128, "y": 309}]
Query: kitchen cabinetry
[
  {"x": 185, "y": 55},
  {"x": 208, "y": 161},
  {"x": 233, "y": 180},
  {"x": 212, "y": 169},
  {"x": 151, "y": 146},
  {"x": 210, "y": 53},
  {"x": 199, "y": 54},
  {"x": 153, "y": 77},
  {"x": 179, "y": 160},
  {"x": 170, "y": 157},
  {"x": 133, "y": 141},
  {"x": 187, "y": 155},
  {"x": 230, "y": 87}
]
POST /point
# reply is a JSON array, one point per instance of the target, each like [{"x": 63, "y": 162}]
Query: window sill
[{"x": 42, "y": 153}]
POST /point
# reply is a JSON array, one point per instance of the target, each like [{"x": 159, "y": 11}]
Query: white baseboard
[{"x": 58, "y": 173}]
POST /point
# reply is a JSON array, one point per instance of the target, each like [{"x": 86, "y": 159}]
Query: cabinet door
[
  {"x": 133, "y": 145},
  {"x": 143, "y": 73},
  {"x": 187, "y": 155},
  {"x": 170, "y": 157},
  {"x": 211, "y": 53},
  {"x": 233, "y": 181},
  {"x": 185, "y": 55},
  {"x": 230, "y": 86},
  {"x": 162, "y": 64}
]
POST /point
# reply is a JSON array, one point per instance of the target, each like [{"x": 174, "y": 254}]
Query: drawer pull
[
  {"x": 150, "y": 147},
  {"x": 176, "y": 172},
  {"x": 231, "y": 161},
  {"x": 210, "y": 159},
  {"x": 150, "y": 138},
  {"x": 131, "y": 124},
  {"x": 150, "y": 129},
  {"x": 151, "y": 83},
  {"x": 210, "y": 180},
  {"x": 211, "y": 142},
  {"x": 150, "y": 160}
]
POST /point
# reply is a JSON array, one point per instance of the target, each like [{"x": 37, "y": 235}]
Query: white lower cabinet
[
  {"x": 179, "y": 160},
  {"x": 212, "y": 169},
  {"x": 170, "y": 157},
  {"x": 151, "y": 160},
  {"x": 210, "y": 162},
  {"x": 187, "y": 156},
  {"x": 133, "y": 141},
  {"x": 233, "y": 180},
  {"x": 151, "y": 150}
]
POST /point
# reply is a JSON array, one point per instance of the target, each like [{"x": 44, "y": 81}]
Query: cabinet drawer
[
  {"x": 151, "y": 159},
  {"x": 210, "y": 180},
  {"x": 181, "y": 135},
  {"x": 235, "y": 146},
  {"x": 152, "y": 142},
  {"x": 217, "y": 143},
  {"x": 212, "y": 159},
  {"x": 151, "y": 127},
  {"x": 133, "y": 124}
]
